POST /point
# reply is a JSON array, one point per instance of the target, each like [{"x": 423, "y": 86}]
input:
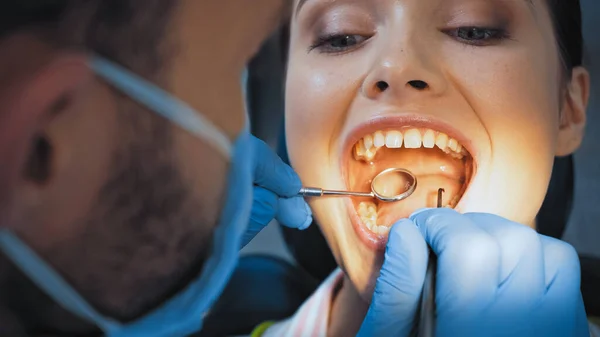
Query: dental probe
[{"x": 426, "y": 325}]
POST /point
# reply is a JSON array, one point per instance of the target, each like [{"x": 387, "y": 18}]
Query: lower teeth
[
  {"x": 368, "y": 215},
  {"x": 367, "y": 211}
]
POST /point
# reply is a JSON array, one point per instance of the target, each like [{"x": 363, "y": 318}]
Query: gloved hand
[
  {"x": 494, "y": 278},
  {"x": 276, "y": 187}
]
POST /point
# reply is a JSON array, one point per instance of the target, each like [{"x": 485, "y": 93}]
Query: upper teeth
[{"x": 367, "y": 147}]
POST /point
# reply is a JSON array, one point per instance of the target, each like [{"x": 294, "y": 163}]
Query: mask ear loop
[
  {"x": 245, "y": 83},
  {"x": 164, "y": 104},
  {"x": 47, "y": 279}
]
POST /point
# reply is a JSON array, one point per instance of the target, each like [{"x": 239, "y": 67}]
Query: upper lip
[{"x": 391, "y": 120}]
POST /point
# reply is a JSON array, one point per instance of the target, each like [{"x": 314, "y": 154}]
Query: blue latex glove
[
  {"x": 276, "y": 187},
  {"x": 494, "y": 278}
]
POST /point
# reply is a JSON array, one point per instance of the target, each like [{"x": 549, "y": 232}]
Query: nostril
[
  {"x": 420, "y": 85},
  {"x": 382, "y": 85}
]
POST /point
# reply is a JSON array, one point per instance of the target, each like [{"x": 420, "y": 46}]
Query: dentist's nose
[{"x": 404, "y": 76}]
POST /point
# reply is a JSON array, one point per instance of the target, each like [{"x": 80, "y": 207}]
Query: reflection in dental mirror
[{"x": 393, "y": 184}]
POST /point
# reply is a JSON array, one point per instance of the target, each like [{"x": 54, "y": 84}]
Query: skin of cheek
[
  {"x": 210, "y": 54},
  {"x": 316, "y": 105},
  {"x": 213, "y": 86},
  {"x": 516, "y": 100}
]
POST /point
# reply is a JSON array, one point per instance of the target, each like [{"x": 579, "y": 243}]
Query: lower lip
[{"x": 371, "y": 240}]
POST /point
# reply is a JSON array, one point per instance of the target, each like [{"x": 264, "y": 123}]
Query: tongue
[{"x": 433, "y": 169}]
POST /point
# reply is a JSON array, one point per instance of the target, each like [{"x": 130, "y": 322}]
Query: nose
[{"x": 404, "y": 76}]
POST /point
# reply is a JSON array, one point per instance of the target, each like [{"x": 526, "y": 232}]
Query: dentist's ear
[
  {"x": 573, "y": 112},
  {"x": 35, "y": 89}
]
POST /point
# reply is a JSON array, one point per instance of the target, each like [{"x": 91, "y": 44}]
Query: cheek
[
  {"x": 212, "y": 86},
  {"x": 516, "y": 100},
  {"x": 310, "y": 98},
  {"x": 317, "y": 102},
  {"x": 190, "y": 157},
  {"x": 514, "y": 92},
  {"x": 309, "y": 118}
]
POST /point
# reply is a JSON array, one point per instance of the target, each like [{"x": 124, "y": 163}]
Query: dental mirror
[{"x": 392, "y": 184}]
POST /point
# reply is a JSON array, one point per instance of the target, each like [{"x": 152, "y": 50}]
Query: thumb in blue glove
[
  {"x": 275, "y": 194},
  {"x": 399, "y": 285}
]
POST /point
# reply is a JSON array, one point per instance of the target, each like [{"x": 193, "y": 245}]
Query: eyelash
[
  {"x": 490, "y": 35},
  {"x": 323, "y": 43},
  {"x": 475, "y": 36}
]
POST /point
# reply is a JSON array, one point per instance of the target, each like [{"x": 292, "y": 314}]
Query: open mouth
[{"x": 438, "y": 160}]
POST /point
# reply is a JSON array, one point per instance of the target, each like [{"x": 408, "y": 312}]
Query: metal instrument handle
[
  {"x": 311, "y": 192},
  {"x": 319, "y": 192},
  {"x": 427, "y": 314}
]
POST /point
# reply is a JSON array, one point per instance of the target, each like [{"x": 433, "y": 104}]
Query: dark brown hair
[
  {"x": 129, "y": 32},
  {"x": 566, "y": 17}
]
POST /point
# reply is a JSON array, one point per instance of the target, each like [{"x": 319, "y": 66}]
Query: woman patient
[{"x": 473, "y": 96}]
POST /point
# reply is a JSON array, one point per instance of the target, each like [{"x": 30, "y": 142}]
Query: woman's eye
[
  {"x": 478, "y": 35},
  {"x": 337, "y": 43}
]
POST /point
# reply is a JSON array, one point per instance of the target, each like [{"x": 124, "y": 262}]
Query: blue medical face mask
[{"x": 182, "y": 314}]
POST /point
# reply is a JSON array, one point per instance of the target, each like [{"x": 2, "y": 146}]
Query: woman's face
[{"x": 466, "y": 94}]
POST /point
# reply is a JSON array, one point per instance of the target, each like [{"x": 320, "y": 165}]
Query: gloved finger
[
  {"x": 468, "y": 262},
  {"x": 521, "y": 282},
  {"x": 562, "y": 268},
  {"x": 272, "y": 173},
  {"x": 294, "y": 213},
  {"x": 264, "y": 208},
  {"x": 399, "y": 285},
  {"x": 562, "y": 287}
]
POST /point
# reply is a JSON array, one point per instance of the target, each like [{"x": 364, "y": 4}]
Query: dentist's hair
[{"x": 129, "y": 32}]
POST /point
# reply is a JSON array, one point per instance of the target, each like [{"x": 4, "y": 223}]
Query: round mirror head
[{"x": 394, "y": 184}]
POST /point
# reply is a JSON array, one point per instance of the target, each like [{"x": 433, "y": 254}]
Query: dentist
[{"x": 129, "y": 179}]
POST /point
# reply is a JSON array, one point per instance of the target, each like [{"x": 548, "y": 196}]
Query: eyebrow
[{"x": 302, "y": 2}]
